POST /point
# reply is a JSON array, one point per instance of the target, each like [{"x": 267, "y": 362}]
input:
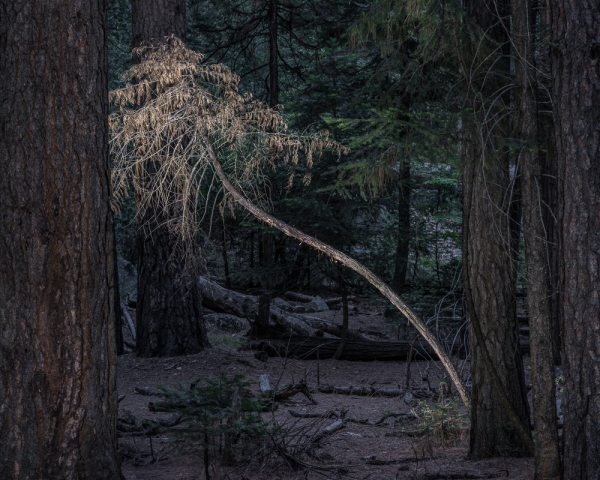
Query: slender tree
[
  {"x": 545, "y": 434},
  {"x": 403, "y": 240},
  {"x": 58, "y": 402},
  {"x": 169, "y": 304},
  {"x": 500, "y": 412},
  {"x": 575, "y": 57}
]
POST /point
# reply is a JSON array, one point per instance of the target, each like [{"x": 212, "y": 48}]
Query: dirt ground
[{"x": 356, "y": 451}]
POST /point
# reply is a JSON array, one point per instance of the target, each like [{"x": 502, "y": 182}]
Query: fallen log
[
  {"x": 221, "y": 299},
  {"x": 459, "y": 475},
  {"x": 329, "y": 414},
  {"x": 342, "y": 415},
  {"x": 364, "y": 391},
  {"x": 148, "y": 391},
  {"x": 292, "y": 390},
  {"x": 314, "y": 441},
  {"x": 373, "y": 460},
  {"x": 310, "y": 348},
  {"x": 333, "y": 301},
  {"x": 299, "y": 297}
]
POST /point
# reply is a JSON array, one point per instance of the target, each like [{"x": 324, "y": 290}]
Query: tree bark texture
[
  {"x": 169, "y": 305},
  {"x": 403, "y": 243},
  {"x": 58, "y": 398},
  {"x": 549, "y": 170},
  {"x": 500, "y": 411},
  {"x": 153, "y": 20},
  {"x": 575, "y": 51},
  {"x": 489, "y": 287},
  {"x": 545, "y": 433}
]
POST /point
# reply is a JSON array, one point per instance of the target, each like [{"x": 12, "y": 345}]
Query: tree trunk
[
  {"x": 153, "y": 20},
  {"x": 402, "y": 247},
  {"x": 169, "y": 304},
  {"x": 545, "y": 434},
  {"x": 576, "y": 93},
  {"x": 267, "y": 239},
  {"x": 58, "y": 398},
  {"x": 273, "y": 54},
  {"x": 550, "y": 200},
  {"x": 489, "y": 288},
  {"x": 500, "y": 412}
]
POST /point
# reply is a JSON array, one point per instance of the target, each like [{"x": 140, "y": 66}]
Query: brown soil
[{"x": 352, "y": 452}]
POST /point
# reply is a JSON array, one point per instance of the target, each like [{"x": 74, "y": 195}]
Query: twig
[{"x": 148, "y": 392}]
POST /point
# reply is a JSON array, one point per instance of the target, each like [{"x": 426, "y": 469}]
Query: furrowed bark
[
  {"x": 500, "y": 412},
  {"x": 58, "y": 396},
  {"x": 575, "y": 57},
  {"x": 169, "y": 305},
  {"x": 545, "y": 433}
]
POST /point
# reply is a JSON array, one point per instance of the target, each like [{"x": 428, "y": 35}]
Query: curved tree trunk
[
  {"x": 576, "y": 94},
  {"x": 58, "y": 398},
  {"x": 348, "y": 262},
  {"x": 169, "y": 305},
  {"x": 500, "y": 413}
]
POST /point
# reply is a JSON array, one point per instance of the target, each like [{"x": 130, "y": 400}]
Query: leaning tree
[{"x": 58, "y": 402}]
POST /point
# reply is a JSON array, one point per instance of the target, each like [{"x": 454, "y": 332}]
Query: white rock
[{"x": 318, "y": 304}]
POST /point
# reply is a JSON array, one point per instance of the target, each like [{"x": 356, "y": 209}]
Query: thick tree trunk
[
  {"x": 575, "y": 52},
  {"x": 500, "y": 412},
  {"x": 545, "y": 434},
  {"x": 402, "y": 246},
  {"x": 489, "y": 288},
  {"x": 550, "y": 201},
  {"x": 153, "y": 20},
  {"x": 169, "y": 305},
  {"x": 58, "y": 398}
]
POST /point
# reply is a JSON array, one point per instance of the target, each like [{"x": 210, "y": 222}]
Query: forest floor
[{"x": 432, "y": 446}]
